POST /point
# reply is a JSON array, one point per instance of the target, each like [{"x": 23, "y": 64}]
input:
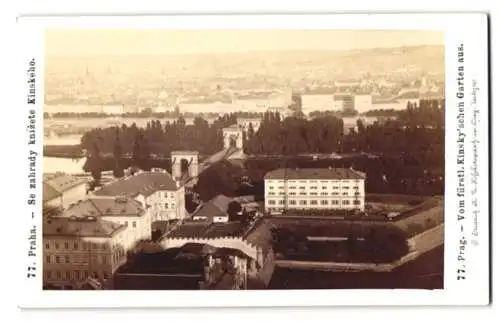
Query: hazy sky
[{"x": 99, "y": 42}]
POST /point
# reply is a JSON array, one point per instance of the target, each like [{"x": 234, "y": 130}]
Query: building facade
[
  {"x": 312, "y": 102},
  {"x": 161, "y": 196},
  {"x": 118, "y": 210},
  {"x": 314, "y": 189},
  {"x": 61, "y": 190},
  {"x": 76, "y": 248}
]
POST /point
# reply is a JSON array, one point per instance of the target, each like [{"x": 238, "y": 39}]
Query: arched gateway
[
  {"x": 190, "y": 159},
  {"x": 233, "y": 137}
]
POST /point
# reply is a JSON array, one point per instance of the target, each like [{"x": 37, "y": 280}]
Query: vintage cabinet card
[{"x": 291, "y": 160}]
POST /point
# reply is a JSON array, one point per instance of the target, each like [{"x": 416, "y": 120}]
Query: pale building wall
[
  {"x": 314, "y": 194},
  {"x": 168, "y": 205},
  {"x": 68, "y": 260},
  {"x": 362, "y": 103},
  {"x": 230, "y": 242},
  {"x": 317, "y": 102},
  {"x": 74, "y": 194},
  {"x": 137, "y": 228}
]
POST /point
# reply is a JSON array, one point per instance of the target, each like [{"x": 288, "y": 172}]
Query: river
[
  {"x": 70, "y": 166},
  {"x": 67, "y": 165}
]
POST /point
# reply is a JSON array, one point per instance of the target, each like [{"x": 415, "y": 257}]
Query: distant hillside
[
  {"x": 127, "y": 75},
  {"x": 378, "y": 60}
]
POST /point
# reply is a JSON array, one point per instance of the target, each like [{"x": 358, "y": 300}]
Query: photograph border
[{"x": 467, "y": 29}]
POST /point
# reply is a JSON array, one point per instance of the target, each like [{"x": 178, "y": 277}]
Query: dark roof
[
  {"x": 226, "y": 251},
  {"x": 80, "y": 227},
  {"x": 144, "y": 183},
  {"x": 49, "y": 193},
  {"x": 165, "y": 262},
  {"x": 105, "y": 206},
  {"x": 217, "y": 207},
  {"x": 196, "y": 249},
  {"x": 203, "y": 229},
  {"x": 314, "y": 173}
]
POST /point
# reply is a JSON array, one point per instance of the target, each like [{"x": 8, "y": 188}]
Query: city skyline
[{"x": 87, "y": 42}]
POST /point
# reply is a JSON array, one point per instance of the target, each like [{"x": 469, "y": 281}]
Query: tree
[
  {"x": 95, "y": 165},
  {"x": 118, "y": 154},
  {"x": 136, "y": 151},
  {"x": 234, "y": 209}
]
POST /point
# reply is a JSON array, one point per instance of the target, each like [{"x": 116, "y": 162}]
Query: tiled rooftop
[
  {"x": 80, "y": 227},
  {"x": 61, "y": 182},
  {"x": 49, "y": 193},
  {"x": 314, "y": 173},
  {"x": 105, "y": 206},
  {"x": 144, "y": 183},
  {"x": 209, "y": 210},
  {"x": 217, "y": 207}
]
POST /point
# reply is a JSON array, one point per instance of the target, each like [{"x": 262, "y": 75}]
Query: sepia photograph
[{"x": 243, "y": 159}]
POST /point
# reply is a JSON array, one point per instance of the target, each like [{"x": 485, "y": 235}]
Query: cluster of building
[
  {"x": 348, "y": 95},
  {"x": 90, "y": 233},
  {"x": 250, "y": 101}
]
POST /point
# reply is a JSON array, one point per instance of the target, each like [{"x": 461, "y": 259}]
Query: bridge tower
[
  {"x": 192, "y": 160},
  {"x": 233, "y": 137}
]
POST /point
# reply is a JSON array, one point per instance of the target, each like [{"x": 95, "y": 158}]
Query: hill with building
[{"x": 137, "y": 79}]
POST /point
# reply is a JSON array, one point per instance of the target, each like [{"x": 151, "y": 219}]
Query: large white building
[
  {"x": 161, "y": 196},
  {"x": 76, "y": 248},
  {"x": 317, "y": 102},
  {"x": 314, "y": 189}
]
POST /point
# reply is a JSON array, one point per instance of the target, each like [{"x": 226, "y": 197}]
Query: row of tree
[{"x": 416, "y": 133}]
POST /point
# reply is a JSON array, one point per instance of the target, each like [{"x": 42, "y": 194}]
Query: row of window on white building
[
  {"x": 314, "y": 187},
  {"x": 313, "y": 202},
  {"x": 303, "y": 193},
  {"x": 76, "y": 275}
]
